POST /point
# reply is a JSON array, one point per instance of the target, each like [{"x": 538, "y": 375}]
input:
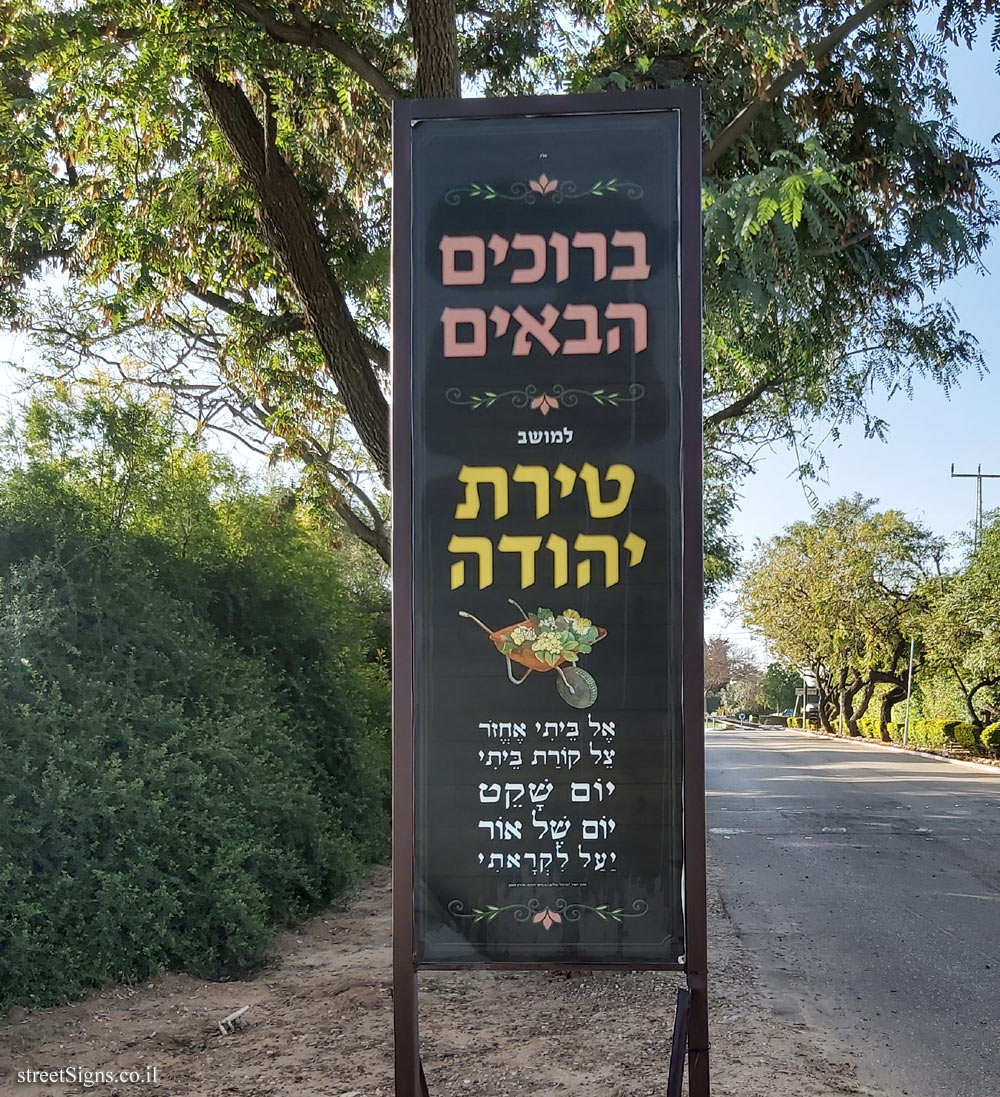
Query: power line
[{"x": 979, "y": 477}]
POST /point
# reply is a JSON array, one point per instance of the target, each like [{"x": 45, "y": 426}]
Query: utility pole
[{"x": 979, "y": 476}]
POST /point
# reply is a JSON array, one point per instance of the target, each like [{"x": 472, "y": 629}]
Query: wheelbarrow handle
[
  {"x": 485, "y": 628},
  {"x": 520, "y": 608}
]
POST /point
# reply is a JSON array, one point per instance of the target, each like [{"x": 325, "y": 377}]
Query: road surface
[{"x": 867, "y": 884}]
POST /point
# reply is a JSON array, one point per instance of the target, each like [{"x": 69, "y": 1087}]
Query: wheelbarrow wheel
[{"x": 576, "y": 687}]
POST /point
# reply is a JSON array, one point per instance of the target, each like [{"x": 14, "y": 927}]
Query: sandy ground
[{"x": 320, "y": 1015}]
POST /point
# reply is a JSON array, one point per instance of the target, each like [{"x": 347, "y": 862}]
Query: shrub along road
[{"x": 867, "y": 886}]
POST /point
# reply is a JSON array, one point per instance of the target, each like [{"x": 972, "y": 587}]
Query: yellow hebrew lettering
[
  {"x": 560, "y": 554},
  {"x": 472, "y": 476},
  {"x": 567, "y": 478},
  {"x": 539, "y": 476},
  {"x": 592, "y": 479},
  {"x": 527, "y": 547},
  {"x": 478, "y": 546},
  {"x": 636, "y": 546},
  {"x": 597, "y": 542}
]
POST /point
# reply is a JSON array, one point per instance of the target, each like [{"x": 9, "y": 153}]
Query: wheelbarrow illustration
[{"x": 574, "y": 685}]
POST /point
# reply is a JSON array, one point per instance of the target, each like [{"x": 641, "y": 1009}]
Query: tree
[
  {"x": 742, "y": 694},
  {"x": 211, "y": 182},
  {"x": 778, "y": 687},
  {"x": 963, "y": 635},
  {"x": 842, "y": 595},
  {"x": 717, "y": 664},
  {"x": 725, "y": 663}
]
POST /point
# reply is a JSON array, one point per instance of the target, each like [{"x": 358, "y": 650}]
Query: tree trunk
[
  {"x": 853, "y": 714},
  {"x": 435, "y": 42},
  {"x": 289, "y": 227},
  {"x": 977, "y": 720},
  {"x": 893, "y": 697},
  {"x": 867, "y": 690}
]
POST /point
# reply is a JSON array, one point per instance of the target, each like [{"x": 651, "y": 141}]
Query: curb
[{"x": 979, "y": 767}]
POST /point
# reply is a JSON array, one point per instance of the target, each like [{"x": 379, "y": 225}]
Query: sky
[{"x": 911, "y": 471}]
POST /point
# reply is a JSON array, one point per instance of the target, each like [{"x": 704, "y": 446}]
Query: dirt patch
[{"x": 319, "y": 1024}]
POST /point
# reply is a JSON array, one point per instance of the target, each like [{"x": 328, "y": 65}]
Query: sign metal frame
[{"x": 686, "y": 101}]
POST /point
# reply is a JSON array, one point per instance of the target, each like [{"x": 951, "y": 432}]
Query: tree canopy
[
  {"x": 963, "y": 634},
  {"x": 778, "y": 687},
  {"x": 204, "y": 191},
  {"x": 842, "y": 595}
]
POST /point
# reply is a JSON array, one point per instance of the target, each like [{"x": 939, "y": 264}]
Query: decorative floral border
[
  {"x": 552, "y": 914},
  {"x": 549, "y": 400},
  {"x": 543, "y": 187}
]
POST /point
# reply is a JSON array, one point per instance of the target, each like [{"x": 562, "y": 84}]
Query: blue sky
[{"x": 911, "y": 471}]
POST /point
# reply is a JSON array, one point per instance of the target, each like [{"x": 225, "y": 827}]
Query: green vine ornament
[
  {"x": 551, "y": 914},
  {"x": 543, "y": 187},
  {"x": 550, "y": 400}
]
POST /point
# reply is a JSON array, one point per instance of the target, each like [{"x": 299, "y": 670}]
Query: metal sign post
[{"x": 548, "y": 787}]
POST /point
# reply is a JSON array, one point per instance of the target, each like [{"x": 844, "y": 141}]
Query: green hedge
[
  {"x": 157, "y": 806},
  {"x": 990, "y": 740},
  {"x": 193, "y": 726},
  {"x": 967, "y": 736}
]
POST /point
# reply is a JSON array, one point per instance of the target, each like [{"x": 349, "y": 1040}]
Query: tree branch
[
  {"x": 319, "y": 36},
  {"x": 836, "y": 249},
  {"x": 291, "y": 232},
  {"x": 287, "y": 323},
  {"x": 281, "y": 324},
  {"x": 749, "y": 114},
  {"x": 377, "y": 353},
  {"x": 737, "y": 407}
]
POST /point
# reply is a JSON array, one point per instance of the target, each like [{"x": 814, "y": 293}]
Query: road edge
[{"x": 979, "y": 767}]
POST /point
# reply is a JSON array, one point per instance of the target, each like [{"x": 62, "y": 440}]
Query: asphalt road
[{"x": 867, "y": 884}]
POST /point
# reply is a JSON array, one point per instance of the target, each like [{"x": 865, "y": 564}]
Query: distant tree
[
  {"x": 842, "y": 595},
  {"x": 778, "y": 687},
  {"x": 727, "y": 664},
  {"x": 963, "y": 634},
  {"x": 742, "y": 694},
  {"x": 718, "y": 670}
]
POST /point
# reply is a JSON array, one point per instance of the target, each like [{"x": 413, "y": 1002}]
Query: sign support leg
[
  {"x": 410, "y": 1081},
  {"x": 678, "y": 1045}
]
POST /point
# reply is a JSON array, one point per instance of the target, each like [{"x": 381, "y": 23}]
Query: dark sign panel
[{"x": 546, "y": 454}]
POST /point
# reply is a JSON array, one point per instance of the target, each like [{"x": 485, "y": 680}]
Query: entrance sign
[{"x": 548, "y": 797}]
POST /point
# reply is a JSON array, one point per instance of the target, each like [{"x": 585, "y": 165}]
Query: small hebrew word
[
  {"x": 502, "y": 830},
  {"x": 539, "y": 791},
  {"x": 537, "y": 437},
  {"x": 494, "y": 759},
  {"x": 580, "y": 791},
  {"x": 512, "y": 794},
  {"x": 606, "y": 728},
  {"x": 602, "y": 757},
  {"x": 466, "y": 330},
  {"x": 554, "y": 828},
  {"x": 559, "y": 758},
  {"x": 599, "y": 858},
  {"x": 499, "y": 861},
  {"x": 472, "y": 271},
  {"x": 504, "y": 729},
  {"x": 593, "y": 829},
  {"x": 555, "y": 728},
  {"x": 541, "y": 862}
]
